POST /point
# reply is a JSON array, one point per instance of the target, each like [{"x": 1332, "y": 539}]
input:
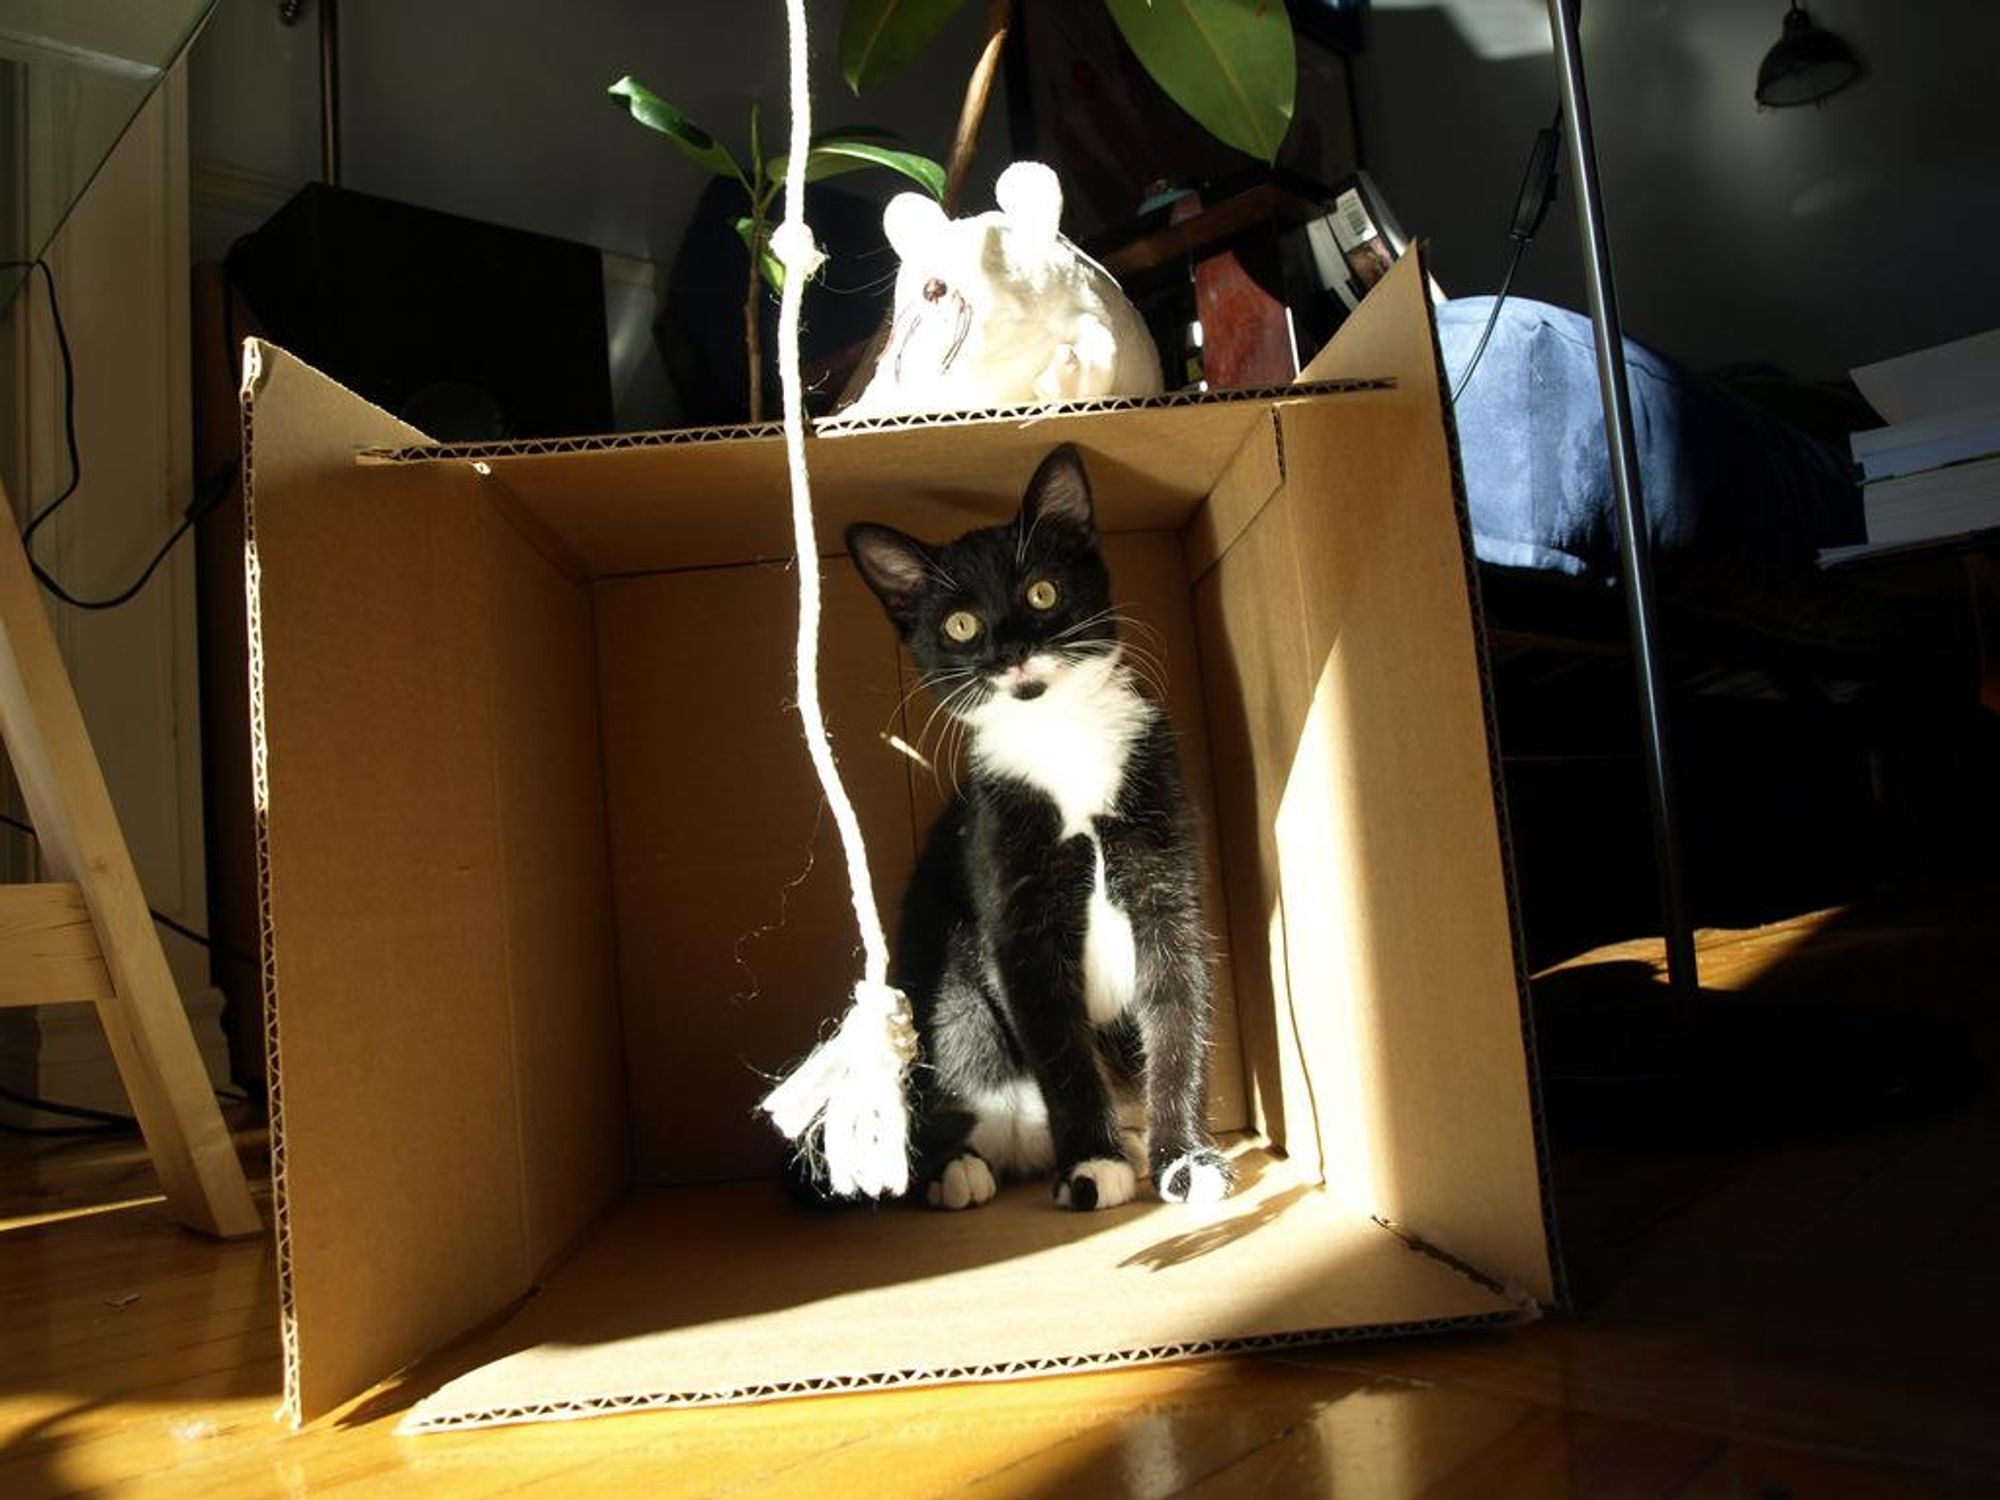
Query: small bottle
[{"x": 1194, "y": 376}]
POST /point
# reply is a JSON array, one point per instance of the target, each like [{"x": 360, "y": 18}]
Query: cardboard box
[{"x": 547, "y": 900}]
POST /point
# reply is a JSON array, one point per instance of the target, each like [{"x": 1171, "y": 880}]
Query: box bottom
[{"x": 719, "y": 1294}]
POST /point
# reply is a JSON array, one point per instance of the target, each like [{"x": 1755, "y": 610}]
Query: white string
[
  {"x": 852, "y": 1085},
  {"x": 793, "y": 242}
]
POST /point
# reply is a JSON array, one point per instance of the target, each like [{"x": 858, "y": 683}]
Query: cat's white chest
[
  {"x": 1110, "y": 958},
  {"x": 1073, "y": 745}
]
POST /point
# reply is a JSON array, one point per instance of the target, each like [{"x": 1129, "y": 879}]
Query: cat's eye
[
  {"x": 1043, "y": 593},
  {"x": 961, "y": 625}
]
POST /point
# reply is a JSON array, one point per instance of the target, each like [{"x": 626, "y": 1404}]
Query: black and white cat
[{"x": 1051, "y": 941}]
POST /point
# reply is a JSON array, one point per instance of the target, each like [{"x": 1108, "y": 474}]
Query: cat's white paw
[
  {"x": 1097, "y": 1182},
  {"x": 1197, "y": 1177},
  {"x": 965, "y": 1182}
]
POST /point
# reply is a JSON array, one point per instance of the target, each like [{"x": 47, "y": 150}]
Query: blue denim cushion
[{"x": 1736, "y": 499}]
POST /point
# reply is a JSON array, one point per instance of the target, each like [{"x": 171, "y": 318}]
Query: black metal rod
[
  {"x": 329, "y": 92},
  {"x": 1635, "y": 543}
]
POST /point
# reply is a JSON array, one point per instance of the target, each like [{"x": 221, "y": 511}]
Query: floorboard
[{"x": 1771, "y": 1301}]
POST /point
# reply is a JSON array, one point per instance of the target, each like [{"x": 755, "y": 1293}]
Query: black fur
[{"x": 990, "y": 945}]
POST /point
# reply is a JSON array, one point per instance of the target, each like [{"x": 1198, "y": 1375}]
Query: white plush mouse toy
[{"x": 1000, "y": 310}]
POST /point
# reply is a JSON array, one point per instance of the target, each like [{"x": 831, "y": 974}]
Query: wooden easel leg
[{"x": 81, "y": 841}]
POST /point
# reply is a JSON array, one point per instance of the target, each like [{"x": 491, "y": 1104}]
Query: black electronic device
[
  {"x": 464, "y": 329},
  {"x": 1538, "y": 183}
]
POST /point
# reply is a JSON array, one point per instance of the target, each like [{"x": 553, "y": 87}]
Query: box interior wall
[{"x": 548, "y": 895}]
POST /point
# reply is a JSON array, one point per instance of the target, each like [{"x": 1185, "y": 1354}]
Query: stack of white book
[{"x": 1933, "y": 472}]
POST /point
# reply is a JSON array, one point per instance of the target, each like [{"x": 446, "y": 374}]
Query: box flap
[
  {"x": 422, "y": 952},
  {"x": 699, "y": 1296},
  {"x": 648, "y": 502},
  {"x": 1399, "y": 852}
]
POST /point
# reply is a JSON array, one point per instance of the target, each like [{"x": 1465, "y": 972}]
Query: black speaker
[{"x": 465, "y": 329}]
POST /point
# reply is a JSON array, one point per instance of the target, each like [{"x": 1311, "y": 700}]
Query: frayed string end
[{"x": 850, "y": 1092}]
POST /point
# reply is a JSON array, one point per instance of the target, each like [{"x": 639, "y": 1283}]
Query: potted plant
[
  {"x": 851, "y": 149},
  {"x": 1230, "y": 64}
]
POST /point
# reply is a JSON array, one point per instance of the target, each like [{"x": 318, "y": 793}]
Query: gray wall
[
  {"x": 495, "y": 109},
  {"x": 1813, "y": 238}
]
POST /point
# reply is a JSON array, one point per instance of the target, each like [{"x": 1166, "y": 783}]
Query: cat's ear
[
  {"x": 1059, "y": 495},
  {"x": 898, "y": 568}
]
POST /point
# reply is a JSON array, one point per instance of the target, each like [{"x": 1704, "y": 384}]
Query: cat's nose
[{"x": 933, "y": 289}]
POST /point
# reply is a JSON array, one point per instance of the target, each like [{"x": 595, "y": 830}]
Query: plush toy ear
[
  {"x": 1059, "y": 495},
  {"x": 1031, "y": 196},
  {"x": 912, "y": 221},
  {"x": 897, "y": 567}
]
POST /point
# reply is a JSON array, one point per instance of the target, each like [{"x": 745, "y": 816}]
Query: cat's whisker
[
  {"x": 1117, "y": 617},
  {"x": 1148, "y": 668},
  {"x": 948, "y": 706},
  {"x": 942, "y": 706},
  {"x": 930, "y": 682},
  {"x": 1139, "y": 656},
  {"x": 1139, "y": 627},
  {"x": 1084, "y": 624},
  {"x": 951, "y": 739}
]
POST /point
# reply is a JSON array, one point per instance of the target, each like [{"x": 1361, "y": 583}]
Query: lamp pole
[{"x": 1635, "y": 543}]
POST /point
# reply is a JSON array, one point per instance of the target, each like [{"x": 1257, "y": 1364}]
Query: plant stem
[
  {"x": 752, "y": 339},
  {"x": 753, "y": 332},
  {"x": 760, "y": 197},
  {"x": 999, "y": 19}
]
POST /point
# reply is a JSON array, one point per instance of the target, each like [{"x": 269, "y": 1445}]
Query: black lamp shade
[{"x": 1806, "y": 64}]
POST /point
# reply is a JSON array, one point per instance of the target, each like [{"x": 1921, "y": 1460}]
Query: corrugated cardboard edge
[
  {"x": 837, "y": 426},
  {"x": 289, "y": 1409},
  {"x": 1483, "y": 661},
  {"x": 565, "y": 1411}
]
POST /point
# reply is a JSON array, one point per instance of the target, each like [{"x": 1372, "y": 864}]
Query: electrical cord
[
  {"x": 22, "y": 826},
  {"x": 1492, "y": 320},
  {"x": 213, "y": 494},
  {"x": 1531, "y": 206},
  {"x": 102, "y": 1122},
  {"x": 96, "y": 1121}
]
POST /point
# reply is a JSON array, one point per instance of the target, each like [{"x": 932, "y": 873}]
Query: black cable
[
  {"x": 102, "y": 1122},
  {"x": 1492, "y": 318},
  {"x": 158, "y": 916},
  {"x": 98, "y": 1122},
  {"x": 10, "y": 821},
  {"x": 69, "y": 390},
  {"x": 46, "y": 1132},
  {"x": 102, "y": 1118},
  {"x": 1531, "y": 206},
  {"x": 217, "y": 490}
]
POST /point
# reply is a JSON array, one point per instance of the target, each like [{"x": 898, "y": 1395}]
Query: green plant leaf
[
  {"x": 1229, "y": 63},
  {"x": 650, "y": 110},
  {"x": 882, "y": 37},
  {"x": 767, "y": 258},
  {"x": 833, "y": 156}
]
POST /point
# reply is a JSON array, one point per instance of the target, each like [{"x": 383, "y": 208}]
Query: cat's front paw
[
  {"x": 1198, "y": 1176},
  {"x": 964, "y": 1182},
  {"x": 1097, "y": 1182}
]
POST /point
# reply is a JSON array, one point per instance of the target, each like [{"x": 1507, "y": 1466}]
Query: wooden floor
[{"x": 1785, "y": 1288}]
